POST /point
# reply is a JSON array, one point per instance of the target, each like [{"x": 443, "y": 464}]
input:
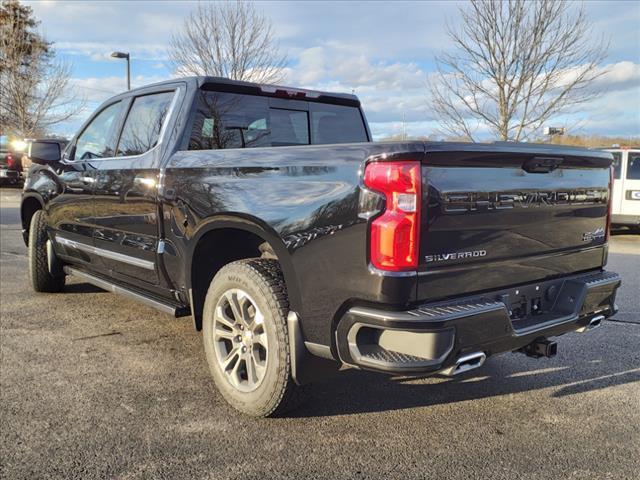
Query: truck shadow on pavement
[
  {"x": 353, "y": 392},
  {"x": 82, "y": 288},
  {"x": 585, "y": 363}
]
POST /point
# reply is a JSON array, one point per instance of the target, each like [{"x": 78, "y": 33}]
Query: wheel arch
[
  {"x": 233, "y": 237},
  {"x": 30, "y": 204}
]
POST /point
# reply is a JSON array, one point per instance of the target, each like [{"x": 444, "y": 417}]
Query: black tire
[
  {"x": 262, "y": 280},
  {"x": 39, "y": 275}
]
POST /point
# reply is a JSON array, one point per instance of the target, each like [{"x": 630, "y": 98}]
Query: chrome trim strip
[
  {"x": 391, "y": 273},
  {"x": 110, "y": 287},
  {"x": 118, "y": 257}
]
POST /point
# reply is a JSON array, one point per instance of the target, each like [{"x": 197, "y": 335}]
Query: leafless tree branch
[
  {"x": 231, "y": 40},
  {"x": 516, "y": 64},
  {"x": 35, "y": 93}
]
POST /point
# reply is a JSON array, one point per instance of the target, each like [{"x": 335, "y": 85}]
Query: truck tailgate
[{"x": 505, "y": 214}]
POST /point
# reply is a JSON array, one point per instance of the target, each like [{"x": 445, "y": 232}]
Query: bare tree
[
  {"x": 35, "y": 93},
  {"x": 231, "y": 40},
  {"x": 516, "y": 64}
]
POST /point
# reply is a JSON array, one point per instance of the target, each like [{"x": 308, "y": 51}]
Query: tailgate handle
[{"x": 541, "y": 164}]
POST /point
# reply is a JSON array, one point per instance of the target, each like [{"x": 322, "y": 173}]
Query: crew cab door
[
  {"x": 71, "y": 211},
  {"x": 125, "y": 194}
]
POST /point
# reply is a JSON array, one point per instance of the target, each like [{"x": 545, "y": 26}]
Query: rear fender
[{"x": 255, "y": 226}]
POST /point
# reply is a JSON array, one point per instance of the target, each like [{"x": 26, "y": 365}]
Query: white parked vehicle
[{"x": 626, "y": 187}]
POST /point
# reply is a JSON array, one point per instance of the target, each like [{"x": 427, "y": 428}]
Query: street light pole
[
  {"x": 125, "y": 55},
  {"x": 128, "y": 72}
]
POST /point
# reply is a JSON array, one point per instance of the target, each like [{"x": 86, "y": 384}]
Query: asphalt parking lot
[{"x": 93, "y": 385}]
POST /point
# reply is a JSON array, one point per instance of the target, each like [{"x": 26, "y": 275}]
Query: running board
[{"x": 166, "y": 307}]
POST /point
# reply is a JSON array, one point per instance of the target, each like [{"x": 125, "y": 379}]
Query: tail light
[
  {"x": 609, "y": 206},
  {"x": 9, "y": 159},
  {"x": 395, "y": 234}
]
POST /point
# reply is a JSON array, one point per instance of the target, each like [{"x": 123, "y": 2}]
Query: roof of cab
[{"x": 238, "y": 86}]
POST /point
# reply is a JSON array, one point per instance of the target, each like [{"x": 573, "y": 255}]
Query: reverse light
[{"x": 395, "y": 234}]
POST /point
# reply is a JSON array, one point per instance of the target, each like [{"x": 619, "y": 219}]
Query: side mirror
[{"x": 44, "y": 152}]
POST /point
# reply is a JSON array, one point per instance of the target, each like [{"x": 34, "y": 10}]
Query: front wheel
[{"x": 246, "y": 340}]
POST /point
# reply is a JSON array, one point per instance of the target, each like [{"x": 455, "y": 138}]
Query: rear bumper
[
  {"x": 432, "y": 337},
  {"x": 629, "y": 220}
]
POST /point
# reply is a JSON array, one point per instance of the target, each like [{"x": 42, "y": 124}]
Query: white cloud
[
  {"x": 382, "y": 51},
  {"x": 615, "y": 112},
  {"x": 388, "y": 91},
  {"x": 99, "y": 51},
  {"x": 620, "y": 76},
  {"x": 99, "y": 89}
]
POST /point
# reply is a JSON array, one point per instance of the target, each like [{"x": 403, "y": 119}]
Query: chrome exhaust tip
[
  {"x": 465, "y": 363},
  {"x": 594, "y": 323}
]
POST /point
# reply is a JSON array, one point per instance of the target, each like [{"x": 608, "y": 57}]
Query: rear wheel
[
  {"x": 246, "y": 340},
  {"x": 42, "y": 280}
]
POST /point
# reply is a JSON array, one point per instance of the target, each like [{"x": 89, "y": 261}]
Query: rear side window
[
  {"x": 633, "y": 166},
  {"x": 617, "y": 164},
  {"x": 143, "y": 125},
  {"x": 336, "y": 124},
  {"x": 97, "y": 139},
  {"x": 227, "y": 120}
]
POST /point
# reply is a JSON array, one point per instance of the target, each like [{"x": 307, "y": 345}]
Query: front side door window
[{"x": 97, "y": 139}]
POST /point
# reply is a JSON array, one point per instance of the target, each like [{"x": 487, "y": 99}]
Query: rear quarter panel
[{"x": 306, "y": 200}]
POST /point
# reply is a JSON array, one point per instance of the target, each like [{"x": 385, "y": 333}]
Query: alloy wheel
[{"x": 240, "y": 340}]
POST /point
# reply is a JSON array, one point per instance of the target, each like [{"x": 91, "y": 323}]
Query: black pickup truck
[
  {"x": 10, "y": 165},
  {"x": 298, "y": 246}
]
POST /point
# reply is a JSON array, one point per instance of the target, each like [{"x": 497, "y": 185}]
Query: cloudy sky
[{"x": 383, "y": 51}]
